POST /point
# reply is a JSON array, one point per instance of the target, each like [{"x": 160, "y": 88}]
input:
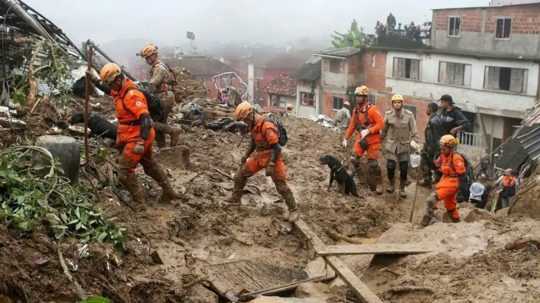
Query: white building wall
[
  {"x": 474, "y": 98},
  {"x": 307, "y": 111}
]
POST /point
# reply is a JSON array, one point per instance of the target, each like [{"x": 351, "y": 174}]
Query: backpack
[
  {"x": 465, "y": 180},
  {"x": 153, "y": 103},
  {"x": 282, "y": 132}
]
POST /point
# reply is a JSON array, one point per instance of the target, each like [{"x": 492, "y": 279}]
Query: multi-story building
[
  {"x": 308, "y": 89},
  {"x": 487, "y": 58}
]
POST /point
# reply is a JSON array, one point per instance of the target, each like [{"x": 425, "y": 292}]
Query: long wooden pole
[{"x": 87, "y": 101}]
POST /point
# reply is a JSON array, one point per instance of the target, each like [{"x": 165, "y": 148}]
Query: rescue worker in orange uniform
[
  {"x": 508, "y": 184},
  {"x": 264, "y": 153},
  {"x": 161, "y": 85},
  {"x": 451, "y": 165},
  {"x": 135, "y": 135},
  {"x": 368, "y": 122}
]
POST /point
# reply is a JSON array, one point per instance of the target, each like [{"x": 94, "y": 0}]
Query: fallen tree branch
[{"x": 78, "y": 289}]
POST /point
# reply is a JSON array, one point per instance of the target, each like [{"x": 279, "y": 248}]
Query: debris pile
[
  {"x": 186, "y": 87},
  {"x": 34, "y": 194}
]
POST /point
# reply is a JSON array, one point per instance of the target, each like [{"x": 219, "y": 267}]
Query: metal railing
[{"x": 471, "y": 139}]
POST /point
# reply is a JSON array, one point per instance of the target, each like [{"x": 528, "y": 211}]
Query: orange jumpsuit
[
  {"x": 265, "y": 134},
  {"x": 130, "y": 104},
  {"x": 451, "y": 166},
  {"x": 371, "y": 119}
]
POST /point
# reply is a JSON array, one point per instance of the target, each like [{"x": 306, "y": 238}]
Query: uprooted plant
[{"x": 32, "y": 192}]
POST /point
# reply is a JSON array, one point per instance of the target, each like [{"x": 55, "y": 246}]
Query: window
[
  {"x": 454, "y": 26},
  {"x": 455, "y": 73},
  {"x": 412, "y": 108},
  {"x": 336, "y": 66},
  {"x": 505, "y": 78},
  {"x": 406, "y": 68},
  {"x": 504, "y": 26},
  {"x": 307, "y": 99},
  {"x": 338, "y": 103}
]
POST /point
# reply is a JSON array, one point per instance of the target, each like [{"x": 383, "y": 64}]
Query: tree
[{"x": 355, "y": 37}]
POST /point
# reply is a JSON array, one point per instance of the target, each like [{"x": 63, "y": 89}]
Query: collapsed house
[{"x": 36, "y": 54}]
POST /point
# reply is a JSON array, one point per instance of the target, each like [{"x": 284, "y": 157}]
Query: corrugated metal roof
[{"x": 340, "y": 52}]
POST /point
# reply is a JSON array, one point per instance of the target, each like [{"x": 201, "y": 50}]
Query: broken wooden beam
[
  {"x": 376, "y": 249},
  {"x": 359, "y": 288}
]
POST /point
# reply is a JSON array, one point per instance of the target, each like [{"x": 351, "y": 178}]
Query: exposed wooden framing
[{"x": 360, "y": 289}]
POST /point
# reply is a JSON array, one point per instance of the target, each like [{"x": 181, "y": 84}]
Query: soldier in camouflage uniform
[
  {"x": 161, "y": 85},
  {"x": 399, "y": 135}
]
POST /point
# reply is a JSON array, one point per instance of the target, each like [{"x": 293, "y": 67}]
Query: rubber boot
[
  {"x": 240, "y": 181},
  {"x": 160, "y": 134},
  {"x": 131, "y": 184},
  {"x": 284, "y": 190},
  {"x": 360, "y": 171},
  {"x": 391, "y": 186},
  {"x": 155, "y": 171},
  {"x": 454, "y": 215},
  {"x": 429, "y": 217},
  {"x": 402, "y": 185},
  {"x": 375, "y": 177},
  {"x": 175, "y": 135}
]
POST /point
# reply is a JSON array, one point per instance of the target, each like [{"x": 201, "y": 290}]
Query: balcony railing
[{"x": 471, "y": 139}]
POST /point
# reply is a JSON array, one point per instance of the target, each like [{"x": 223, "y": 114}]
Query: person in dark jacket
[
  {"x": 449, "y": 120},
  {"x": 431, "y": 146}
]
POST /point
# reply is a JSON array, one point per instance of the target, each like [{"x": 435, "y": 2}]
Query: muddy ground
[{"x": 171, "y": 248}]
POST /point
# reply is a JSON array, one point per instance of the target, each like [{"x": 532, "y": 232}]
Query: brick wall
[
  {"x": 374, "y": 69},
  {"x": 525, "y": 18},
  {"x": 328, "y": 103},
  {"x": 471, "y": 19}
]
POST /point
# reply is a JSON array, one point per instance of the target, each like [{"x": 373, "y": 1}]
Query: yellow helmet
[
  {"x": 109, "y": 72},
  {"x": 449, "y": 141},
  {"x": 243, "y": 110},
  {"x": 148, "y": 50},
  {"x": 397, "y": 98},
  {"x": 361, "y": 91}
]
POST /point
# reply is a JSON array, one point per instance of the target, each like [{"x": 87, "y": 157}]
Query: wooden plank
[
  {"x": 278, "y": 289},
  {"x": 376, "y": 249},
  {"x": 360, "y": 289},
  {"x": 316, "y": 242}
]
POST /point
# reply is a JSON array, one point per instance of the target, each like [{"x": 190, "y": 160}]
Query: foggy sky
[{"x": 275, "y": 21}]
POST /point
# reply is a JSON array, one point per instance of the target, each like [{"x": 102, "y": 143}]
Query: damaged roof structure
[
  {"x": 522, "y": 150},
  {"x": 36, "y": 54}
]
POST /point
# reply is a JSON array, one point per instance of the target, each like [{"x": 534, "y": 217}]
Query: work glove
[
  {"x": 270, "y": 169},
  {"x": 344, "y": 143},
  {"x": 92, "y": 75},
  {"x": 364, "y": 133},
  {"x": 415, "y": 146},
  {"x": 139, "y": 148}
]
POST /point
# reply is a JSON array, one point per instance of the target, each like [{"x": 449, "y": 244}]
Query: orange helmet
[
  {"x": 361, "y": 91},
  {"x": 243, "y": 110},
  {"x": 449, "y": 141},
  {"x": 109, "y": 72},
  {"x": 148, "y": 50}
]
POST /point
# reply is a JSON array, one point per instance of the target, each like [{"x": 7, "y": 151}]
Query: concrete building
[
  {"x": 340, "y": 74},
  {"x": 308, "y": 89},
  {"x": 487, "y": 58}
]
